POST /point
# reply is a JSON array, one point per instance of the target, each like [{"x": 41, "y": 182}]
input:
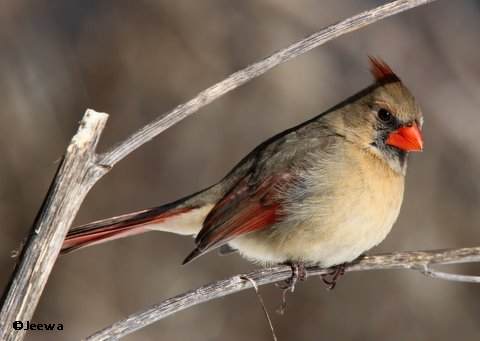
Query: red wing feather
[
  {"x": 253, "y": 218},
  {"x": 245, "y": 208}
]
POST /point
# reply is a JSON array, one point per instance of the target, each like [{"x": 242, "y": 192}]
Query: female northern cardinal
[{"x": 322, "y": 192}]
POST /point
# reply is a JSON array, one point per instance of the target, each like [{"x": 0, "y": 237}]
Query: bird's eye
[{"x": 384, "y": 115}]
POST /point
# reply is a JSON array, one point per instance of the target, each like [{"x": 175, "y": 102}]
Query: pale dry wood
[
  {"x": 75, "y": 175},
  {"x": 254, "y": 70},
  {"x": 413, "y": 260},
  {"x": 264, "y": 308},
  {"x": 427, "y": 271}
]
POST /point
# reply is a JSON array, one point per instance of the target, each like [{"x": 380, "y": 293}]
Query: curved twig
[
  {"x": 413, "y": 260},
  {"x": 245, "y": 75},
  {"x": 262, "y": 304}
]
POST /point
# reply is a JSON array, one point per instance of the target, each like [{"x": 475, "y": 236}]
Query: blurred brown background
[{"x": 138, "y": 59}]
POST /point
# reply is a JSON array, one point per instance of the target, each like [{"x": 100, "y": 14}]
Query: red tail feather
[{"x": 117, "y": 227}]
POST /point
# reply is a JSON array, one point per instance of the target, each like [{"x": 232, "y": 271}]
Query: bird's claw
[
  {"x": 299, "y": 273},
  {"x": 331, "y": 277}
]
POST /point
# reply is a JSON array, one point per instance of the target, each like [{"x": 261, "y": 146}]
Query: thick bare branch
[
  {"x": 76, "y": 174},
  {"x": 243, "y": 76},
  {"x": 414, "y": 260}
]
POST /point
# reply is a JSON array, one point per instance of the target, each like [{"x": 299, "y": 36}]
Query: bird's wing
[
  {"x": 247, "y": 207},
  {"x": 256, "y": 196}
]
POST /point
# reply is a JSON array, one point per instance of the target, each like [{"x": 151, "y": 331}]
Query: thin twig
[
  {"x": 254, "y": 70},
  {"x": 262, "y": 304},
  {"x": 75, "y": 175},
  {"x": 414, "y": 260},
  {"x": 427, "y": 271}
]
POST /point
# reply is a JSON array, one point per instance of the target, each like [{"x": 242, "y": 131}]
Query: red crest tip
[{"x": 381, "y": 71}]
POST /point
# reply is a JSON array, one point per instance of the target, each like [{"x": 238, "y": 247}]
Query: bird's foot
[
  {"x": 299, "y": 273},
  {"x": 331, "y": 277}
]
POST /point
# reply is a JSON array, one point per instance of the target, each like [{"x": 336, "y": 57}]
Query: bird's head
[{"x": 385, "y": 118}]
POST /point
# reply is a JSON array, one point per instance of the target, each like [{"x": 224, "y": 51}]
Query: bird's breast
[{"x": 349, "y": 204}]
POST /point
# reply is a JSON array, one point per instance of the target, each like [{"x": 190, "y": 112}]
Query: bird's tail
[{"x": 184, "y": 216}]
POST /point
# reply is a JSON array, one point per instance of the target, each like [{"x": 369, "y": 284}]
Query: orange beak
[{"x": 408, "y": 138}]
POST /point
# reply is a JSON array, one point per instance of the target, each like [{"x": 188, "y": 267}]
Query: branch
[
  {"x": 413, "y": 260},
  {"x": 254, "y": 70},
  {"x": 448, "y": 276},
  {"x": 75, "y": 176}
]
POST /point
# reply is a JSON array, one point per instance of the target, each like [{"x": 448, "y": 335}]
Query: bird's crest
[{"x": 381, "y": 71}]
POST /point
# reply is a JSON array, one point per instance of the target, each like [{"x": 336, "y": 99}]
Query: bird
[{"x": 323, "y": 192}]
